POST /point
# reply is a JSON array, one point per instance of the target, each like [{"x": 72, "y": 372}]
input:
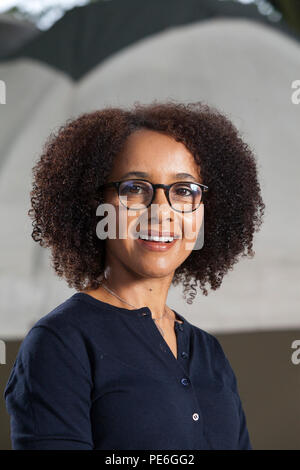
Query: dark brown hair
[{"x": 78, "y": 158}]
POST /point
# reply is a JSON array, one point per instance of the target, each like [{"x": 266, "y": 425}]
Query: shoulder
[
  {"x": 74, "y": 317},
  {"x": 56, "y": 348},
  {"x": 61, "y": 334},
  {"x": 209, "y": 345},
  {"x": 207, "y": 338},
  {"x": 70, "y": 311}
]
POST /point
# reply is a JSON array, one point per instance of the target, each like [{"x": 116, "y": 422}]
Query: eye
[
  {"x": 134, "y": 188},
  {"x": 183, "y": 191}
]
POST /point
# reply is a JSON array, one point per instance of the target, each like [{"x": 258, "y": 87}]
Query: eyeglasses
[{"x": 136, "y": 194}]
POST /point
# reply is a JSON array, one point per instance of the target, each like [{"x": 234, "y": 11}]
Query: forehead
[{"x": 154, "y": 152}]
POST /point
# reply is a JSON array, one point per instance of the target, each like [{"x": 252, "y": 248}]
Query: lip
[{"x": 156, "y": 246}]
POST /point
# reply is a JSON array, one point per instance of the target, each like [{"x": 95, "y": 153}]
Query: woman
[{"x": 113, "y": 366}]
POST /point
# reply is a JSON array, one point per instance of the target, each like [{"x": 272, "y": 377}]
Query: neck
[{"x": 149, "y": 292}]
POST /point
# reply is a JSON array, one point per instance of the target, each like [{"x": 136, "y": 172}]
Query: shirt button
[
  {"x": 184, "y": 355},
  {"x": 195, "y": 416},
  {"x": 185, "y": 381}
]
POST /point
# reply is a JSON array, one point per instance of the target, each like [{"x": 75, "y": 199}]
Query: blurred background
[{"x": 59, "y": 59}]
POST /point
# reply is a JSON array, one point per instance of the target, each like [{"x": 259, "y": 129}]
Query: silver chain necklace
[{"x": 116, "y": 295}]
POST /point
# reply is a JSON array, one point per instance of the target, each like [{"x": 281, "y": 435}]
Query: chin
[{"x": 154, "y": 272}]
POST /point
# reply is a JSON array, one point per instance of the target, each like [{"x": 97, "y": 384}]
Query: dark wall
[
  {"x": 268, "y": 381},
  {"x": 269, "y": 385}
]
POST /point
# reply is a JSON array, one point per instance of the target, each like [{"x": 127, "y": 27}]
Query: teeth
[{"x": 157, "y": 239}]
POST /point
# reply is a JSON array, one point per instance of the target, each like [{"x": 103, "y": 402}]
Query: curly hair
[{"x": 78, "y": 158}]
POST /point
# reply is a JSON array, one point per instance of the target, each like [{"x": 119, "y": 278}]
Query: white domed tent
[{"x": 241, "y": 67}]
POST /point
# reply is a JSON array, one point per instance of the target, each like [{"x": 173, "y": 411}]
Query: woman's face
[{"x": 160, "y": 158}]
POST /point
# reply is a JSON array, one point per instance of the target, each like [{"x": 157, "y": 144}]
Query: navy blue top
[{"x": 90, "y": 375}]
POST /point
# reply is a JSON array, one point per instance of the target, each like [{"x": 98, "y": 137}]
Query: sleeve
[
  {"x": 244, "y": 439},
  {"x": 48, "y": 395}
]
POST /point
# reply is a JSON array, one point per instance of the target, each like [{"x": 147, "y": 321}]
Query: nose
[
  {"x": 160, "y": 197},
  {"x": 159, "y": 213},
  {"x": 160, "y": 209}
]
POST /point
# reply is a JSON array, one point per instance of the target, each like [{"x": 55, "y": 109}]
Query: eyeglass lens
[{"x": 184, "y": 197}]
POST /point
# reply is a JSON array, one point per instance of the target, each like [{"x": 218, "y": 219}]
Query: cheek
[
  {"x": 127, "y": 222},
  {"x": 192, "y": 224}
]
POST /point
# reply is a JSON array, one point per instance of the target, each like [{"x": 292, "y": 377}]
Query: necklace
[{"x": 116, "y": 295}]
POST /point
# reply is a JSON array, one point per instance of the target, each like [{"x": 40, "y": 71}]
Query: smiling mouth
[
  {"x": 153, "y": 245},
  {"x": 157, "y": 239}
]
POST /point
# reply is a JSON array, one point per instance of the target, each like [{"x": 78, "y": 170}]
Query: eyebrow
[{"x": 142, "y": 174}]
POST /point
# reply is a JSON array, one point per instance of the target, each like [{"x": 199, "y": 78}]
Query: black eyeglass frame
[{"x": 165, "y": 187}]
